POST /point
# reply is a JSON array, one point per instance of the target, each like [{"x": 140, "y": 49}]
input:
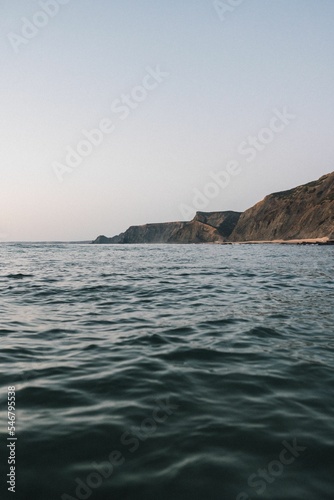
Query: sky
[{"x": 117, "y": 113}]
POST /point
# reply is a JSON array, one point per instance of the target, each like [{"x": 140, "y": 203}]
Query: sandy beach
[{"x": 306, "y": 241}]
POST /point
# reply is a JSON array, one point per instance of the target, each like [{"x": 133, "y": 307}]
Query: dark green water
[{"x": 168, "y": 372}]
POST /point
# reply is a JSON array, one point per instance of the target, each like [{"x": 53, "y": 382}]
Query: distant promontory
[{"x": 304, "y": 213}]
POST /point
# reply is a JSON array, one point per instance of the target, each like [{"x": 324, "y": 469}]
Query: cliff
[
  {"x": 206, "y": 227},
  {"x": 305, "y": 212}
]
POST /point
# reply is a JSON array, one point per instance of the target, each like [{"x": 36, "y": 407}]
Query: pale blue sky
[{"x": 226, "y": 78}]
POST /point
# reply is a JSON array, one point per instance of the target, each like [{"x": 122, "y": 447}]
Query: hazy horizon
[{"x": 118, "y": 115}]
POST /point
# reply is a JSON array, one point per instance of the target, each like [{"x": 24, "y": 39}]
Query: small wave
[
  {"x": 18, "y": 276},
  {"x": 264, "y": 332}
]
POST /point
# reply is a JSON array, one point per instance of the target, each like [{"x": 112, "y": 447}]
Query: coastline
[{"x": 304, "y": 241}]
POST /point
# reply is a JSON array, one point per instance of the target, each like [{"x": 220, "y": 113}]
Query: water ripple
[{"x": 195, "y": 363}]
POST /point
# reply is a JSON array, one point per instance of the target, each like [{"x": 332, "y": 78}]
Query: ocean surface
[{"x": 168, "y": 371}]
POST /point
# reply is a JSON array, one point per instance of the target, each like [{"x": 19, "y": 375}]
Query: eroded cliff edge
[
  {"x": 304, "y": 212},
  {"x": 206, "y": 227}
]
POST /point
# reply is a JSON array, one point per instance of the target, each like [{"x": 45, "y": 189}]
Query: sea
[{"x": 167, "y": 372}]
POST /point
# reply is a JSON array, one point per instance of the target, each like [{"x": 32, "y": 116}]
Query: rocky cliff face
[
  {"x": 224, "y": 222},
  {"x": 306, "y": 211},
  {"x": 206, "y": 227}
]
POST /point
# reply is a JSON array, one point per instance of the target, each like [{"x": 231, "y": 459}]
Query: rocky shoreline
[
  {"x": 303, "y": 215},
  {"x": 320, "y": 242}
]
